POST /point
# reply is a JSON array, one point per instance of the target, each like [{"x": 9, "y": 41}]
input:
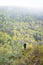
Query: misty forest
[{"x": 21, "y": 36}]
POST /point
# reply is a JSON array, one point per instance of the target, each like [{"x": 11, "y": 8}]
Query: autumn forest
[{"x": 19, "y": 26}]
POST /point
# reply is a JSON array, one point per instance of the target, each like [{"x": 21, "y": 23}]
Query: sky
[{"x": 32, "y": 4}]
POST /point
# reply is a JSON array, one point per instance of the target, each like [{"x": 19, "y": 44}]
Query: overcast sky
[{"x": 37, "y": 4}]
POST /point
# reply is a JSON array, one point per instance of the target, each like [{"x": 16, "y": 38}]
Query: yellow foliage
[
  {"x": 14, "y": 37},
  {"x": 29, "y": 45},
  {"x": 6, "y": 49},
  {"x": 22, "y": 47}
]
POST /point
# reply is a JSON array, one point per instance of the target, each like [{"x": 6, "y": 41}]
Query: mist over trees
[{"x": 19, "y": 26}]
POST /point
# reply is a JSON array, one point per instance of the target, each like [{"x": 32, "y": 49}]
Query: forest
[{"x": 18, "y": 27}]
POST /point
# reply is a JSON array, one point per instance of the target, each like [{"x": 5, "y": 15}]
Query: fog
[
  {"x": 35, "y": 5},
  {"x": 31, "y": 6}
]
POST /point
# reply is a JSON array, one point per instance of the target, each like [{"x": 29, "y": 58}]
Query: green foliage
[
  {"x": 14, "y": 33},
  {"x": 5, "y": 38}
]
